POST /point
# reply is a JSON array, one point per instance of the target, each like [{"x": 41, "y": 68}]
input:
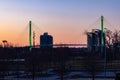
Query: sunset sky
[{"x": 65, "y": 20}]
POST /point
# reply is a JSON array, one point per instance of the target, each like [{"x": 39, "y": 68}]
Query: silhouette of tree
[
  {"x": 116, "y": 37},
  {"x": 116, "y": 44},
  {"x": 108, "y": 37}
]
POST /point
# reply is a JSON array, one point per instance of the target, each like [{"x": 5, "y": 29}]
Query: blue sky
[{"x": 60, "y": 18}]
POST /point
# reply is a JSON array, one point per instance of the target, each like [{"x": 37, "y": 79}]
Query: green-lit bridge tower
[
  {"x": 102, "y": 34},
  {"x": 30, "y": 33},
  {"x": 103, "y": 47}
]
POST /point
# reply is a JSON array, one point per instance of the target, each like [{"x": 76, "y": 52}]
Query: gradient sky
[{"x": 66, "y": 20}]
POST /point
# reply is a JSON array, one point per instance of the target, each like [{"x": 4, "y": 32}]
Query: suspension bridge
[{"x": 32, "y": 34}]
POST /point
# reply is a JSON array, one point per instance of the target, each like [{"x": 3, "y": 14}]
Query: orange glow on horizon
[{"x": 65, "y": 33}]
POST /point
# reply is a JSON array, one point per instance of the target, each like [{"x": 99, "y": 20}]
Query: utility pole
[{"x": 33, "y": 38}]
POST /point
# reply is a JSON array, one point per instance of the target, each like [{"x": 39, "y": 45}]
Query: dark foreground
[{"x": 57, "y": 64}]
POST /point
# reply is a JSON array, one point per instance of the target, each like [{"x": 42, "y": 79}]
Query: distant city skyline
[{"x": 65, "y": 20}]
